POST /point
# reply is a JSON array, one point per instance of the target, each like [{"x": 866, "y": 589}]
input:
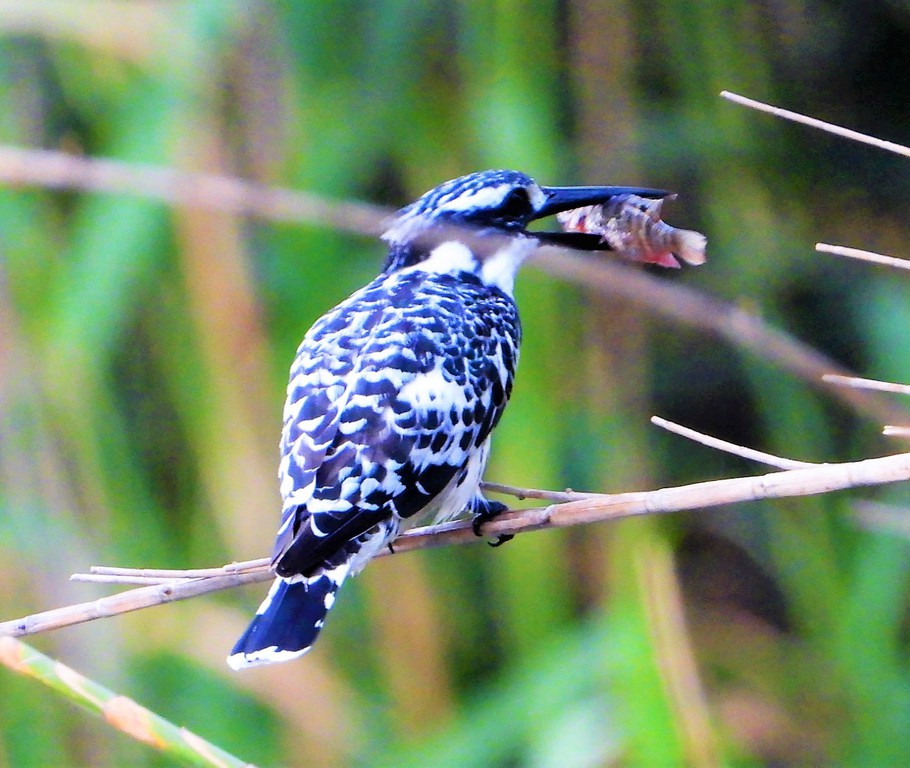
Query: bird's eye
[{"x": 516, "y": 205}]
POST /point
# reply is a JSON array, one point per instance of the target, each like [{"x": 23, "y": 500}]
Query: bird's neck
[
  {"x": 496, "y": 268},
  {"x": 403, "y": 255}
]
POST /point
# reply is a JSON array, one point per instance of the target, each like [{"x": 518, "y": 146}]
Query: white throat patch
[
  {"x": 448, "y": 258},
  {"x": 497, "y": 269}
]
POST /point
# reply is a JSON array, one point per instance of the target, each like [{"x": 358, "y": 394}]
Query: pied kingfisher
[{"x": 394, "y": 393}]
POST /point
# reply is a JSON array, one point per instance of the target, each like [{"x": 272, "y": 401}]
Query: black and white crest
[{"x": 393, "y": 396}]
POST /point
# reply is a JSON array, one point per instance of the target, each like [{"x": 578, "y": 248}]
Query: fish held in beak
[{"x": 631, "y": 226}]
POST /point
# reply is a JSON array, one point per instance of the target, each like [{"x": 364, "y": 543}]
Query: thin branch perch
[
  {"x": 165, "y": 574},
  {"x": 723, "y": 445},
  {"x": 534, "y": 493},
  {"x": 594, "y": 508}
]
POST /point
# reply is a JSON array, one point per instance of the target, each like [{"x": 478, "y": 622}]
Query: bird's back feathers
[{"x": 390, "y": 395}]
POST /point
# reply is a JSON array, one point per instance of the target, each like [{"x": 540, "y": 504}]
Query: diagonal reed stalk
[{"x": 119, "y": 711}]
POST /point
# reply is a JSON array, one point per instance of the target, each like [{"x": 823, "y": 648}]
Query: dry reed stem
[
  {"x": 858, "y": 383},
  {"x": 812, "y": 122},
  {"x": 861, "y": 255},
  {"x": 732, "y": 448},
  {"x": 121, "y": 712}
]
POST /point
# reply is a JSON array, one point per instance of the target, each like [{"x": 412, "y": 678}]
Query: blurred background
[{"x": 144, "y": 352}]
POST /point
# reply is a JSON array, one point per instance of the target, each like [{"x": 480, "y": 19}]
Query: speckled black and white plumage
[{"x": 392, "y": 399}]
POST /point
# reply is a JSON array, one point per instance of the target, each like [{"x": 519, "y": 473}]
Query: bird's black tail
[{"x": 287, "y": 622}]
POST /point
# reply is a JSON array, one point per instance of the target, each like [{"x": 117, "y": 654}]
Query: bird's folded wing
[{"x": 374, "y": 457}]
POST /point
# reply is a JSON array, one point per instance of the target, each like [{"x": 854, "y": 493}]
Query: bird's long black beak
[{"x": 561, "y": 199}]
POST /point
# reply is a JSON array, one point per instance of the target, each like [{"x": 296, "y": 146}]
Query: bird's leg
[{"x": 484, "y": 510}]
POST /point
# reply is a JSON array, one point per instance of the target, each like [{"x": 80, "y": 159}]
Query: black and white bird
[{"x": 394, "y": 393}]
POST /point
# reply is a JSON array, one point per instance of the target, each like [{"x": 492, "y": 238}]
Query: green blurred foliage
[{"x": 143, "y": 355}]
